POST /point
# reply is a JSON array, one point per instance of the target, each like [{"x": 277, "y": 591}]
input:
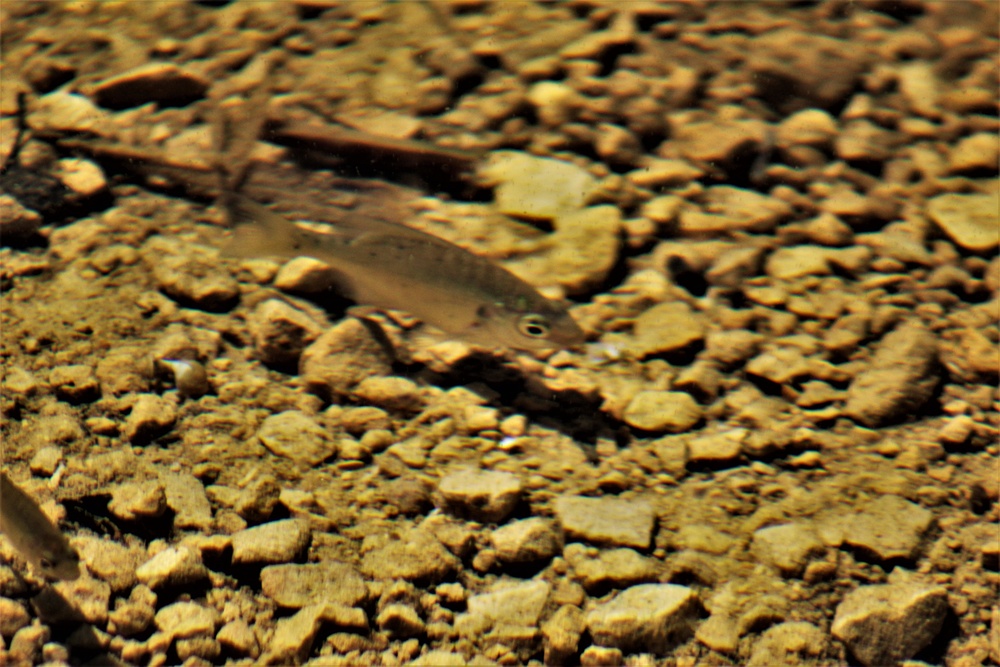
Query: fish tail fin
[{"x": 257, "y": 231}]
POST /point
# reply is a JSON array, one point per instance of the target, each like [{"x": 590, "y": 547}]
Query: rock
[
  {"x": 160, "y": 82},
  {"x": 788, "y": 547},
  {"x": 75, "y": 384},
  {"x": 535, "y": 187},
  {"x": 82, "y": 177},
  {"x": 136, "y": 500},
  {"x": 482, "y": 495},
  {"x": 275, "y": 542},
  {"x": 342, "y": 357},
  {"x": 889, "y": 623},
  {"x": 719, "y": 632},
  {"x": 655, "y": 173},
  {"x": 135, "y": 615},
  {"x": 889, "y": 528},
  {"x": 400, "y": 620},
  {"x": 152, "y": 416},
  {"x": 977, "y": 153},
  {"x": 555, "y": 102},
  {"x": 901, "y": 378},
  {"x": 190, "y": 275},
  {"x": 305, "y": 275},
  {"x": 280, "y": 333},
  {"x": 256, "y": 502},
  {"x": 608, "y": 521},
  {"x": 59, "y": 111},
  {"x": 719, "y": 143},
  {"x": 186, "y": 497},
  {"x": 970, "y": 220},
  {"x": 526, "y": 541},
  {"x": 809, "y": 127},
  {"x": 792, "y": 643},
  {"x": 174, "y": 566},
  {"x": 13, "y": 617},
  {"x": 663, "y": 411},
  {"x": 414, "y": 555},
  {"x": 182, "y": 620},
  {"x": 17, "y": 223},
  {"x": 46, "y": 461},
  {"x": 582, "y": 251},
  {"x": 296, "y": 586},
  {"x": 666, "y": 327},
  {"x": 562, "y": 633},
  {"x": 506, "y": 603},
  {"x": 613, "y": 568},
  {"x": 798, "y": 262},
  {"x": 238, "y": 637},
  {"x": 864, "y": 141},
  {"x": 396, "y": 394},
  {"x": 652, "y": 618},
  {"x": 297, "y": 436},
  {"x": 717, "y": 447},
  {"x": 293, "y": 637},
  {"x": 729, "y": 209}
]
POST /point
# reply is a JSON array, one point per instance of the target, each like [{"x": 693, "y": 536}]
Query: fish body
[
  {"x": 25, "y": 525},
  {"x": 392, "y": 266}
]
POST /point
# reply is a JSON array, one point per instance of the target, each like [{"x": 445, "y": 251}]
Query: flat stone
[
  {"x": 341, "y": 357},
  {"x": 160, "y": 82},
  {"x": 81, "y": 177},
  {"x": 716, "y": 448},
  {"x": 900, "y": 379},
  {"x": 397, "y": 394},
  {"x": 187, "y": 619},
  {"x": 526, "y": 541},
  {"x": 613, "y": 568},
  {"x": 663, "y": 411},
  {"x": 280, "y": 333},
  {"x": 151, "y": 417},
  {"x": 297, "y": 436},
  {"x": 970, "y": 220},
  {"x": 888, "y": 528},
  {"x": 414, "y": 555},
  {"x": 400, "y": 620},
  {"x": 666, "y": 327},
  {"x": 134, "y": 500},
  {"x": 483, "y": 495},
  {"x": 791, "y": 643},
  {"x": 75, "y": 384},
  {"x": 787, "y": 547},
  {"x": 511, "y": 603},
  {"x": 274, "y": 542},
  {"x": 13, "y": 617},
  {"x": 186, "y": 497},
  {"x": 174, "y": 566},
  {"x": 889, "y": 623},
  {"x": 535, "y": 187},
  {"x": 295, "y": 586},
  {"x": 294, "y": 636},
  {"x": 624, "y": 522},
  {"x": 237, "y": 636},
  {"x": 978, "y": 152},
  {"x": 651, "y": 618}
]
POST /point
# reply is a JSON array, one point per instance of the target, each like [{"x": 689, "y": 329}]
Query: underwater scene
[{"x": 500, "y": 332}]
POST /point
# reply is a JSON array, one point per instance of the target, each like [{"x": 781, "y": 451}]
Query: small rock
[
  {"x": 13, "y": 617},
  {"x": 582, "y": 251},
  {"x": 809, "y": 127},
  {"x": 900, "y": 380},
  {"x": 526, "y": 541},
  {"x": 792, "y": 643},
  {"x": 305, "y": 275},
  {"x": 18, "y": 381},
  {"x": 979, "y": 152},
  {"x": 45, "y": 461},
  {"x": 75, "y": 384},
  {"x": 151, "y": 417},
  {"x": 555, "y": 102},
  {"x": 970, "y": 220},
  {"x": 609, "y": 521},
  {"x": 275, "y": 542},
  {"x": 482, "y": 495},
  {"x": 295, "y": 435},
  {"x": 507, "y": 602},
  {"x": 293, "y": 637},
  {"x": 296, "y": 586},
  {"x": 186, "y": 497},
  {"x": 396, "y": 394},
  {"x": 562, "y": 633},
  {"x": 160, "y": 82},
  {"x": 400, "y": 620},
  {"x": 716, "y": 448},
  {"x": 415, "y": 555},
  {"x": 187, "y": 619},
  {"x": 663, "y": 411},
  {"x": 190, "y": 275},
  {"x": 788, "y": 547},
  {"x": 889, "y": 528},
  {"x": 890, "y": 623},
  {"x": 238, "y": 637},
  {"x": 614, "y": 568},
  {"x": 68, "y": 112},
  {"x": 280, "y": 333},
  {"x": 82, "y": 177},
  {"x": 798, "y": 262},
  {"x": 730, "y": 209},
  {"x": 666, "y": 327},
  {"x": 174, "y": 566},
  {"x": 16, "y": 221},
  {"x": 341, "y": 357},
  {"x": 110, "y": 561},
  {"x": 135, "y": 615},
  {"x": 535, "y": 187},
  {"x": 718, "y": 142},
  {"x": 136, "y": 500},
  {"x": 648, "y": 617},
  {"x": 256, "y": 502}
]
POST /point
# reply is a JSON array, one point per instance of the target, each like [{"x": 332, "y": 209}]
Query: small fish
[
  {"x": 40, "y": 543},
  {"x": 392, "y": 266}
]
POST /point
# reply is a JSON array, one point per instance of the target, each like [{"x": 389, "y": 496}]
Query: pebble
[
  {"x": 651, "y": 618},
  {"x": 663, "y": 411},
  {"x": 727, "y": 209},
  {"x": 885, "y": 624},
  {"x": 536, "y": 187},
  {"x": 238, "y": 637},
  {"x": 305, "y": 275},
  {"x": 666, "y": 327},
  {"x": 186, "y": 497},
  {"x": 970, "y": 220},
  {"x": 794, "y": 642},
  {"x": 190, "y": 275},
  {"x": 611, "y": 521},
  {"x": 131, "y": 501},
  {"x": 414, "y": 555},
  {"x": 182, "y": 620},
  {"x": 81, "y": 177},
  {"x": 562, "y": 632},
  {"x": 135, "y": 615},
  {"x": 979, "y": 152},
  {"x": 482, "y": 495},
  {"x": 656, "y": 173},
  {"x": 75, "y": 384},
  {"x": 341, "y": 357},
  {"x": 809, "y": 127},
  {"x": 555, "y": 102},
  {"x": 152, "y": 416},
  {"x": 257, "y": 501},
  {"x": 718, "y": 142},
  {"x": 297, "y": 436},
  {"x": 46, "y": 460},
  {"x": 174, "y": 566},
  {"x": 717, "y": 447},
  {"x": 68, "y": 112},
  {"x": 888, "y": 528},
  {"x": 400, "y": 620},
  {"x": 582, "y": 251},
  {"x": 280, "y": 333},
  {"x": 900, "y": 379},
  {"x": 396, "y": 394},
  {"x": 13, "y": 617},
  {"x": 787, "y": 547},
  {"x": 26, "y": 645},
  {"x": 274, "y": 542},
  {"x": 507, "y": 602},
  {"x": 161, "y": 82},
  {"x": 612, "y": 568},
  {"x": 16, "y": 221},
  {"x": 295, "y": 586},
  {"x": 526, "y": 541}
]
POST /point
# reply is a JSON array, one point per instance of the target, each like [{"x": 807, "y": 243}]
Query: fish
[
  {"x": 34, "y": 536},
  {"x": 392, "y": 266}
]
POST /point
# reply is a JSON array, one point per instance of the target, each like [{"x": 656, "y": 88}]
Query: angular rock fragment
[{"x": 648, "y": 617}]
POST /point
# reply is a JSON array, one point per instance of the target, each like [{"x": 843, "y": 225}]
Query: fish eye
[{"x": 534, "y": 326}]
